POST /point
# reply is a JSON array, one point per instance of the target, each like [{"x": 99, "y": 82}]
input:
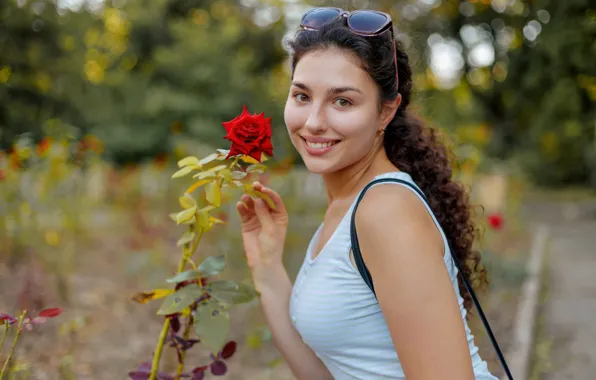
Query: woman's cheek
[{"x": 293, "y": 118}]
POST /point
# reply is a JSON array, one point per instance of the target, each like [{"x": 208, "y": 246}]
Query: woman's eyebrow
[{"x": 332, "y": 90}]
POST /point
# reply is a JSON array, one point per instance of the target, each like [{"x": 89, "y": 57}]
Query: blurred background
[{"x": 100, "y": 98}]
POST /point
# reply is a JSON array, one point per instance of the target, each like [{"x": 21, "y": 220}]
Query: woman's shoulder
[{"x": 395, "y": 211}]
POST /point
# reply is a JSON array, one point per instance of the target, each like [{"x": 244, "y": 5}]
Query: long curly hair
[{"x": 410, "y": 144}]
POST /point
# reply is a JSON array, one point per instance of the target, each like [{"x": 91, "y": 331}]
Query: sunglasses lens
[
  {"x": 319, "y": 17},
  {"x": 368, "y": 22}
]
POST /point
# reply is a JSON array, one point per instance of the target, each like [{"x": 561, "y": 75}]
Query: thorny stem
[
  {"x": 183, "y": 353},
  {"x": 14, "y": 343},
  {"x": 186, "y": 254},
  {"x": 5, "y": 334}
]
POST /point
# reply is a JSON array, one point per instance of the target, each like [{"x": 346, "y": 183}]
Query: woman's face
[{"x": 332, "y": 112}]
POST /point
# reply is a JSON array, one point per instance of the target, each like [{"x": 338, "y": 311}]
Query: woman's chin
[{"x": 318, "y": 166}]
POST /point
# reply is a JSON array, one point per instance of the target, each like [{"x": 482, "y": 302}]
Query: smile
[{"x": 319, "y": 148}]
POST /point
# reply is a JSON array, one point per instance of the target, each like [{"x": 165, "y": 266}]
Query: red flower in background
[
  {"x": 495, "y": 221},
  {"x": 250, "y": 135}
]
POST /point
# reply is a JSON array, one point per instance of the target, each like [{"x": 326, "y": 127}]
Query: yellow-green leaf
[
  {"x": 263, "y": 196},
  {"x": 180, "y": 300},
  {"x": 218, "y": 168},
  {"x": 208, "y": 174},
  {"x": 212, "y": 325},
  {"x": 225, "y": 173},
  {"x": 236, "y": 174},
  {"x": 213, "y": 194},
  {"x": 208, "y": 159},
  {"x": 249, "y": 159},
  {"x": 187, "y": 201},
  {"x": 182, "y": 172},
  {"x": 185, "y": 239},
  {"x": 231, "y": 292},
  {"x": 144, "y": 297},
  {"x": 173, "y": 216},
  {"x": 197, "y": 184},
  {"x": 215, "y": 220},
  {"x": 222, "y": 154},
  {"x": 208, "y": 208},
  {"x": 190, "y": 160},
  {"x": 256, "y": 168},
  {"x": 203, "y": 220},
  {"x": 186, "y": 215}
]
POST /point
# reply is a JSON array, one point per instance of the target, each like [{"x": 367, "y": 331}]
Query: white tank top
[{"x": 338, "y": 316}]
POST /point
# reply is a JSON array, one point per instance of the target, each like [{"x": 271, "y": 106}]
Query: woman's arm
[
  {"x": 403, "y": 251},
  {"x": 275, "y": 301}
]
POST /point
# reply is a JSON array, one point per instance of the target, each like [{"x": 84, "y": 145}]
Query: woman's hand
[{"x": 263, "y": 230}]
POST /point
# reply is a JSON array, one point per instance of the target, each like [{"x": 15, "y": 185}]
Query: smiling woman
[{"x": 346, "y": 114}]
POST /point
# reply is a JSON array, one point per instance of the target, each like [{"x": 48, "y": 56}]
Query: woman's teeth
[{"x": 320, "y": 145}]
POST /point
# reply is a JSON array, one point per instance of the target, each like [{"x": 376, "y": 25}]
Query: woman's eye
[
  {"x": 300, "y": 97},
  {"x": 343, "y": 102}
]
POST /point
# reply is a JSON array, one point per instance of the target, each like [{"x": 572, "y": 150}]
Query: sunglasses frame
[{"x": 348, "y": 14}]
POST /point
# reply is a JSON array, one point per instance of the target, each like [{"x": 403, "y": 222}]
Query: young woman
[{"x": 347, "y": 116}]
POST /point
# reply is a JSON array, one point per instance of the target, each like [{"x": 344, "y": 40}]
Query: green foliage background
[{"x": 159, "y": 77}]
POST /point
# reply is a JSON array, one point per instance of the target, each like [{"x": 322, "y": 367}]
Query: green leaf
[
  {"x": 238, "y": 174},
  {"x": 231, "y": 292},
  {"x": 213, "y": 194},
  {"x": 218, "y": 168},
  {"x": 263, "y": 196},
  {"x": 180, "y": 300},
  {"x": 182, "y": 172},
  {"x": 256, "y": 168},
  {"x": 191, "y": 160},
  {"x": 212, "y": 265},
  {"x": 222, "y": 152},
  {"x": 187, "y": 201},
  {"x": 225, "y": 173},
  {"x": 186, "y": 215},
  {"x": 208, "y": 174},
  {"x": 212, "y": 325},
  {"x": 183, "y": 276},
  {"x": 185, "y": 239},
  {"x": 203, "y": 220},
  {"x": 197, "y": 184},
  {"x": 208, "y": 159}
]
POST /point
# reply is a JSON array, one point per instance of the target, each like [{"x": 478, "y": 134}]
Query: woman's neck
[{"x": 346, "y": 183}]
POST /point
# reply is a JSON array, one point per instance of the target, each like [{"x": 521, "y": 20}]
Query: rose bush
[{"x": 198, "y": 302}]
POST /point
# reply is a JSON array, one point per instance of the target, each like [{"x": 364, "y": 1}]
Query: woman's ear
[{"x": 389, "y": 110}]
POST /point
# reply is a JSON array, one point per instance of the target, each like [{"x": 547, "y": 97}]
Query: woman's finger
[
  {"x": 249, "y": 202},
  {"x": 242, "y": 211},
  {"x": 275, "y": 197},
  {"x": 263, "y": 213}
]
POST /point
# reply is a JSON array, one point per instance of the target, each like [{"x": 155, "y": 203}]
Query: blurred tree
[
  {"x": 188, "y": 66},
  {"x": 37, "y": 77}
]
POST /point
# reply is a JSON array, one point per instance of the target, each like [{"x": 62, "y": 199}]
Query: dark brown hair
[{"x": 411, "y": 146}]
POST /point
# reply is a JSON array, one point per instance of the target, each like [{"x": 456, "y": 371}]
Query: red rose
[
  {"x": 495, "y": 221},
  {"x": 250, "y": 135}
]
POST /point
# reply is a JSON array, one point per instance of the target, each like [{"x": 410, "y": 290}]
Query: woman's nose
[{"x": 316, "y": 121}]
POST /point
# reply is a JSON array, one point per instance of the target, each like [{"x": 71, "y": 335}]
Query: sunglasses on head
[{"x": 364, "y": 22}]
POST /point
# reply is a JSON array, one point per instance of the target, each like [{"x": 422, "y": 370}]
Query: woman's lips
[{"x": 318, "y": 149}]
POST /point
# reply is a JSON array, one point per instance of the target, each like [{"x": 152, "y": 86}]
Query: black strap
[{"x": 367, "y": 278}]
